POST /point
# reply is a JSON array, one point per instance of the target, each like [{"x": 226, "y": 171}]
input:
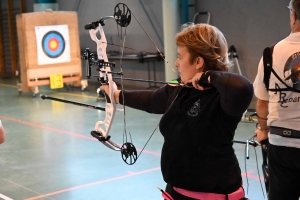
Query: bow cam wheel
[
  {"x": 122, "y": 14},
  {"x": 129, "y": 154}
]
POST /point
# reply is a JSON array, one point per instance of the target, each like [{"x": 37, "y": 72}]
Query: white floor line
[
  {"x": 21, "y": 187},
  {"x": 5, "y": 197}
]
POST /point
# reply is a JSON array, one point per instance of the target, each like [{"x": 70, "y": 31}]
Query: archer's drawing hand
[{"x": 195, "y": 81}]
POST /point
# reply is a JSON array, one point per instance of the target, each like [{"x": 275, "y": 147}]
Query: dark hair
[{"x": 206, "y": 41}]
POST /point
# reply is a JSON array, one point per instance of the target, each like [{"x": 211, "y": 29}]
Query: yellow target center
[{"x": 53, "y": 44}]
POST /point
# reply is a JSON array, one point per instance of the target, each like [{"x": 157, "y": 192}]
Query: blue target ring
[{"x": 53, "y": 44}]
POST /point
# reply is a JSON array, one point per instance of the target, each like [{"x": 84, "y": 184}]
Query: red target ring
[{"x": 53, "y": 44}]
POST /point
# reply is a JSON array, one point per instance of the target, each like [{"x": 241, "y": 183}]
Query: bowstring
[
  {"x": 135, "y": 49},
  {"x": 156, "y": 127},
  {"x": 161, "y": 54},
  {"x": 259, "y": 173},
  {"x": 122, "y": 47},
  {"x": 252, "y": 139},
  {"x": 163, "y": 57},
  {"x": 246, "y": 170}
]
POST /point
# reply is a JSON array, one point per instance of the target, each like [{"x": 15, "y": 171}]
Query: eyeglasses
[{"x": 290, "y": 8}]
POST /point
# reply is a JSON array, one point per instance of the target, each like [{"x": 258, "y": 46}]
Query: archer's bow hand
[
  {"x": 106, "y": 88},
  {"x": 261, "y": 135}
]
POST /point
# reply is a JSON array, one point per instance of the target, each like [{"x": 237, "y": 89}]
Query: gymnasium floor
[{"x": 50, "y": 154}]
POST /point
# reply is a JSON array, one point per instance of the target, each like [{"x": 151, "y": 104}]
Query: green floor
[{"x": 50, "y": 154}]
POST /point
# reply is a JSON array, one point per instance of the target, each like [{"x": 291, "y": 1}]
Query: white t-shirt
[{"x": 284, "y": 106}]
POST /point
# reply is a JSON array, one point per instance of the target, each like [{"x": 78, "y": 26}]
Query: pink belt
[{"x": 237, "y": 195}]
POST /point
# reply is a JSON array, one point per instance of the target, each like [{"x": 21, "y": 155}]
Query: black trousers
[{"x": 284, "y": 173}]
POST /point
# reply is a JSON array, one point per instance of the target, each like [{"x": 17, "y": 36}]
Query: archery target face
[{"x": 53, "y": 44}]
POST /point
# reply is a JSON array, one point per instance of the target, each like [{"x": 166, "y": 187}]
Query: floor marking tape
[
  {"x": 5, "y": 197},
  {"x": 94, "y": 183}
]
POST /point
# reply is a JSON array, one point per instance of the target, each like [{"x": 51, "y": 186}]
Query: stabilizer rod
[
  {"x": 72, "y": 102},
  {"x": 252, "y": 143}
]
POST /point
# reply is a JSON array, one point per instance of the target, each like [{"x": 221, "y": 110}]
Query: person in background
[
  {"x": 278, "y": 113},
  {"x": 2, "y": 133},
  {"x": 200, "y": 116}
]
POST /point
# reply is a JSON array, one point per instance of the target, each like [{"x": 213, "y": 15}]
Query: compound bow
[
  {"x": 101, "y": 131},
  {"x": 122, "y": 16}
]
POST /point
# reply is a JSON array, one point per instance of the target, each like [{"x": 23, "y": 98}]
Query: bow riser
[{"x": 103, "y": 127}]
